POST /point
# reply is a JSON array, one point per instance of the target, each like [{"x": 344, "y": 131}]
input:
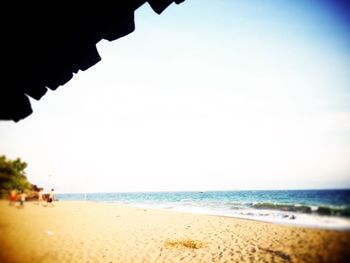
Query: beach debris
[
  {"x": 187, "y": 243},
  {"x": 49, "y": 233}
]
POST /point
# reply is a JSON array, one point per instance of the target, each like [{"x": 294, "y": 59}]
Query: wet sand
[{"x": 98, "y": 232}]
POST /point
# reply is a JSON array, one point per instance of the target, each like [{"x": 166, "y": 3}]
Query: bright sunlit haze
[{"x": 210, "y": 95}]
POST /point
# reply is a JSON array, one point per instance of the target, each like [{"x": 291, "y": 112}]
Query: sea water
[{"x": 312, "y": 208}]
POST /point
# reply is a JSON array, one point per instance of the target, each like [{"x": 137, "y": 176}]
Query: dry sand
[{"x": 98, "y": 232}]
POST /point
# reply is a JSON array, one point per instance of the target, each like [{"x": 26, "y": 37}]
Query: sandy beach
[{"x": 100, "y": 232}]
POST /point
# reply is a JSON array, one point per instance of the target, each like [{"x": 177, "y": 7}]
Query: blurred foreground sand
[{"x": 98, "y": 232}]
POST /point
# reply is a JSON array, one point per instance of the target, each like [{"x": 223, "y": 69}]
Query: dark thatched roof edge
[{"x": 46, "y": 44}]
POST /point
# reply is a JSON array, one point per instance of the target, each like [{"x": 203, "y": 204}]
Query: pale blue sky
[{"x": 209, "y": 95}]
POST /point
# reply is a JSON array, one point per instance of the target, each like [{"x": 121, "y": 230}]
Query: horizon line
[{"x": 199, "y": 191}]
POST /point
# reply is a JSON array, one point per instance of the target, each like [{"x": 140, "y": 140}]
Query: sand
[{"x": 98, "y": 232}]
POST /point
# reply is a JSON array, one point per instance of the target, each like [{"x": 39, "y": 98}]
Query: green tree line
[{"x": 13, "y": 176}]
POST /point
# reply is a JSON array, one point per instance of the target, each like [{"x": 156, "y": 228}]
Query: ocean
[{"x": 328, "y": 209}]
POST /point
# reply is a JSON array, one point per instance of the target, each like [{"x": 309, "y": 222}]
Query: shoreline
[
  {"x": 215, "y": 215},
  {"x": 345, "y": 227},
  {"x": 81, "y": 231},
  {"x": 283, "y": 223},
  {"x": 324, "y": 209}
]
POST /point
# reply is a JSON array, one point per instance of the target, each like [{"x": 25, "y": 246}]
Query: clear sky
[{"x": 209, "y": 95}]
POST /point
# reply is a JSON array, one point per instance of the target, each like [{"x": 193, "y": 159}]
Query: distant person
[
  {"x": 51, "y": 197},
  {"x": 22, "y": 198},
  {"x": 13, "y": 196},
  {"x": 40, "y": 195}
]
